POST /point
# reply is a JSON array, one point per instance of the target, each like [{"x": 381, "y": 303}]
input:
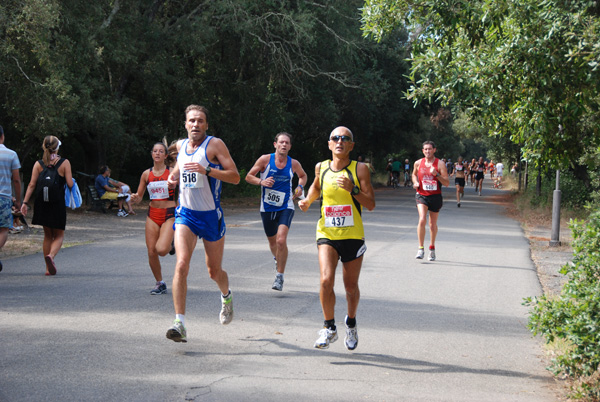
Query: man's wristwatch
[
  {"x": 208, "y": 169},
  {"x": 355, "y": 190}
]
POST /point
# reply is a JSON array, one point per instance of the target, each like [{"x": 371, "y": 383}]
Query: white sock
[{"x": 181, "y": 318}]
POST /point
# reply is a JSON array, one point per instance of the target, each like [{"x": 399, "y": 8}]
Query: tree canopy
[
  {"x": 526, "y": 70},
  {"x": 112, "y": 77}
]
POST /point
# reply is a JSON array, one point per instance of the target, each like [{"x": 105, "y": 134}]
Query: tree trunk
[
  {"x": 94, "y": 152},
  {"x": 538, "y": 183}
]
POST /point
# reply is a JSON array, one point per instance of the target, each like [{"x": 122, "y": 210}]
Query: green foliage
[
  {"x": 112, "y": 77},
  {"x": 243, "y": 189},
  {"x": 574, "y": 194},
  {"x": 575, "y": 315},
  {"x": 527, "y": 71}
]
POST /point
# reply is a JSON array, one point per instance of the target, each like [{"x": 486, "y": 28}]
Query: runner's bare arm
[
  {"x": 314, "y": 192},
  {"x": 139, "y": 194},
  {"x": 366, "y": 196},
  {"x": 443, "y": 177},
  {"x": 415, "y": 178},
  {"x": 302, "y": 177},
  {"x": 173, "y": 179},
  {"x": 217, "y": 152},
  {"x": 259, "y": 166}
]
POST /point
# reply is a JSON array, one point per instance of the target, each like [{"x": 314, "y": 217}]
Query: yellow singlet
[{"x": 340, "y": 213}]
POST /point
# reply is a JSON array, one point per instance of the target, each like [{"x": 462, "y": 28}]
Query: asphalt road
[{"x": 449, "y": 330}]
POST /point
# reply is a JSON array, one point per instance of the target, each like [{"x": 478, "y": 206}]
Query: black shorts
[
  {"x": 433, "y": 202},
  {"x": 460, "y": 181},
  {"x": 348, "y": 250},
  {"x": 272, "y": 220},
  {"x": 479, "y": 176}
]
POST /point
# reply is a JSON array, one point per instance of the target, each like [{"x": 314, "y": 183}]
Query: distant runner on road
[
  {"x": 344, "y": 187},
  {"x": 480, "y": 168},
  {"x": 277, "y": 198},
  {"x": 499, "y": 172},
  {"x": 429, "y": 174},
  {"x": 459, "y": 179}
]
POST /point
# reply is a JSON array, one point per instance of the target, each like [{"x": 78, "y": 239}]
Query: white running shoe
[
  {"x": 177, "y": 332},
  {"x": 420, "y": 254},
  {"x": 278, "y": 283},
  {"x": 351, "y": 340},
  {"x": 326, "y": 336},
  {"x": 432, "y": 255},
  {"x": 226, "y": 314}
]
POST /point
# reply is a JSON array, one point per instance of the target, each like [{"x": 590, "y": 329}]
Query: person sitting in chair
[{"x": 107, "y": 191}]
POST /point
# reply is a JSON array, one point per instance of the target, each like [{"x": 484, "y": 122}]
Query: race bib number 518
[
  {"x": 191, "y": 180},
  {"x": 338, "y": 216}
]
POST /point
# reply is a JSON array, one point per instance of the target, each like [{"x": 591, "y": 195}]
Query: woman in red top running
[{"x": 161, "y": 212}]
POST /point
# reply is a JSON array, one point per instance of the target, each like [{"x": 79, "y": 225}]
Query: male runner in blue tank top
[
  {"x": 203, "y": 163},
  {"x": 277, "y": 200}
]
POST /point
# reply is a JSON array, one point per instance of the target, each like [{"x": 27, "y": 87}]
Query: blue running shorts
[{"x": 208, "y": 225}]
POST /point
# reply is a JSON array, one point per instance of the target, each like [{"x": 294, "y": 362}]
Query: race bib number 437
[{"x": 338, "y": 216}]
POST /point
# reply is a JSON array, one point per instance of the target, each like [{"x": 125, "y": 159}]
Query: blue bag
[{"x": 73, "y": 196}]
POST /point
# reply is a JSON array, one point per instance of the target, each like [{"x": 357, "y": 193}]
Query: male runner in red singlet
[{"x": 429, "y": 174}]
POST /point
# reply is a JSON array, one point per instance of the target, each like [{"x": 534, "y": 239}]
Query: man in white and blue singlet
[
  {"x": 277, "y": 200},
  {"x": 203, "y": 163}
]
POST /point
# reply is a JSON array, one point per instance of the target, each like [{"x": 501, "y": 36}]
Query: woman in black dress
[{"x": 49, "y": 209}]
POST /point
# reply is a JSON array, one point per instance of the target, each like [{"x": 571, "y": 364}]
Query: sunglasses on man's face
[{"x": 344, "y": 138}]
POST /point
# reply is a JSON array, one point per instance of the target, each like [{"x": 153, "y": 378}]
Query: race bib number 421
[
  {"x": 191, "y": 180},
  {"x": 338, "y": 216}
]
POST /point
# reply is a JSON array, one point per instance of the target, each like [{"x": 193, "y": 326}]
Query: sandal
[{"x": 50, "y": 265}]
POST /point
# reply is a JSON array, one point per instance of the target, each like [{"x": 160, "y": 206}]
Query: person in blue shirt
[
  {"x": 9, "y": 172},
  {"x": 106, "y": 191}
]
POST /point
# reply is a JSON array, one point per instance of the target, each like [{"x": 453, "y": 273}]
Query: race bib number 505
[
  {"x": 274, "y": 197},
  {"x": 338, "y": 216},
  {"x": 191, "y": 180}
]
